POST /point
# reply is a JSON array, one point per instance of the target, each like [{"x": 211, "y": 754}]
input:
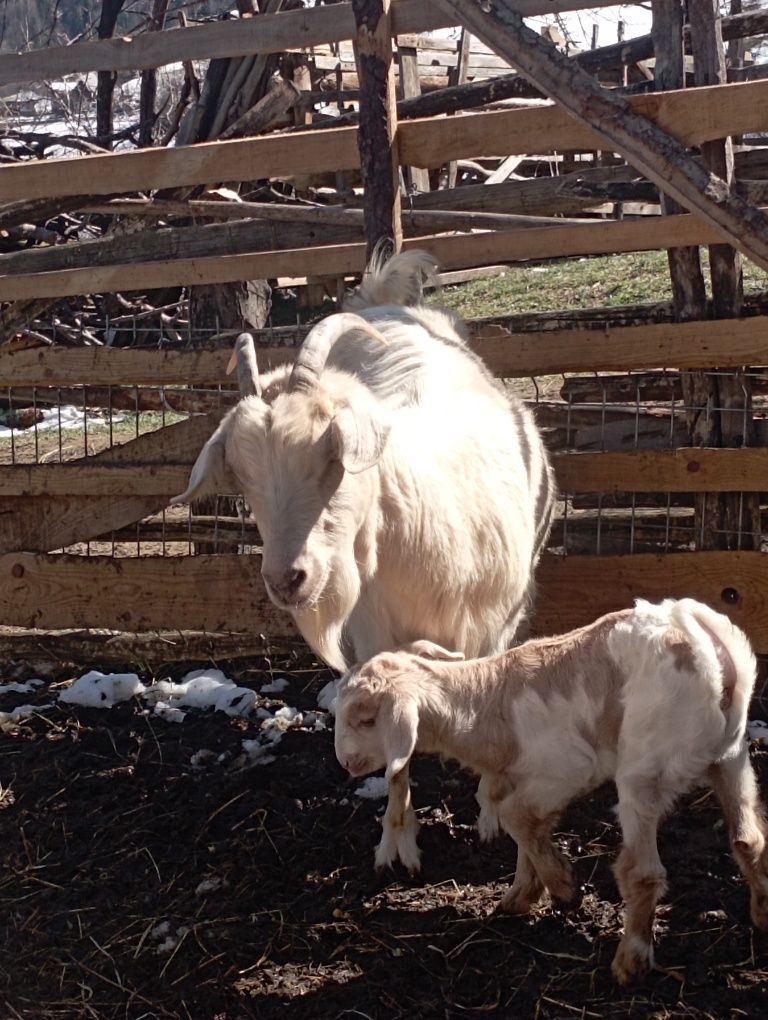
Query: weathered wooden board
[
  {"x": 574, "y": 590},
  {"x": 457, "y": 252},
  {"x": 55, "y": 521},
  {"x": 684, "y": 470},
  {"x": 690, "y": 115},
  {"x": 694, "y": 469},
  {"x": 508, "y": 355},
  {"x": 144, "y": 593},
  {"x": 226, "y": 593},
  {"x": 267, "y": 34}
]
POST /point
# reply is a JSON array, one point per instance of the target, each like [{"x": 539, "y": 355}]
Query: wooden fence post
[
  {"x": 377, "y": 133},
  {"x": 731, "y": 520},
  {"x": 640, "y": 141}
]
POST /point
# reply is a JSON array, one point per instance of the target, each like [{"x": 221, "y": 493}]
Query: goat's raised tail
[
  {"x": 398, "y": 281},
  {"x": 719, "y": 645}
]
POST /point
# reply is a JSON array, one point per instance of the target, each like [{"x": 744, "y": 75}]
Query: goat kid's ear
[
  {"x": 358, "y": 435},
  {"x": 209, "y": 473},
  {"x": 400, "y": 733},
  {"x": 429, "y": 650}
]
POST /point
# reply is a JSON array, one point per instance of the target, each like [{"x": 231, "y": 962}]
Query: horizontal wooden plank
[
  {"x": 709, "y": 344},
  {"x": 574, "y": 590},
  {"x": 691, "y": 115},
  {"x": 225, "y": 592},
  {"x": 144, "y": 593},
  {"x": 266, "y": 34},
  {"x": 452, "y": 252},
  {"x": 682, "y": 470}
]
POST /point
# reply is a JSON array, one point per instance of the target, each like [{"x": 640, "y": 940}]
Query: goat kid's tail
[
  {"x": 721, "y": 651},
  {"x": 397, "y": 281}
]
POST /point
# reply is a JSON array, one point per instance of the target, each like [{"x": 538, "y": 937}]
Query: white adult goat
[
  {"x": 399, "y": 491},
  {"x": 655, "y": 698}
]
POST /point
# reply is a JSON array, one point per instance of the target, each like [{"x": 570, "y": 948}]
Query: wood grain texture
[
  {"x": 692, "y": 116},
  {"x": 575, "y": 590},
  {"x": 694, "y": 469},
  {"x": 214, "y": 593},
  {"x": 225, "y": 592},
  {"x": 725, "y": 344}
]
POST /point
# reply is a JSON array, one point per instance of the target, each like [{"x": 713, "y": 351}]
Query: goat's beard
[{"x": 322, "y": 625}]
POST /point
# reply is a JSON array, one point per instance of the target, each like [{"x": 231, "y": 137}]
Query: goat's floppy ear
[
  {"x": 400, "y": 732},
  {"x": 209, "y": 473},
  {"x": 359, "y": 436},
  {"x": 429, "y": 650}
]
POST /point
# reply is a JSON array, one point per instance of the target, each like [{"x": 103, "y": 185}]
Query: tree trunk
[{"x": 105, "y": 81}]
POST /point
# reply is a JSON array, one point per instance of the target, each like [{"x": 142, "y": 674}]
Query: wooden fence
[{"x": 46, "y": 507}]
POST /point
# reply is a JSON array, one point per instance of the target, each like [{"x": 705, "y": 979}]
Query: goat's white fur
[
  {"x": 407, "y": 487},
  {"x": 655, "y": 698}
]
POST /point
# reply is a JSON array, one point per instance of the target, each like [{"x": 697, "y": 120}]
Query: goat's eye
[{"x": 366, "y": 723}]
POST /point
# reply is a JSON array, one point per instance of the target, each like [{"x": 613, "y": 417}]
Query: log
[
  {"x": 115, "y": 649},
  {"x": 660, "y": 157},
  {"x": 640, "y": 386},
  {"x": 377, "y": 133},
  {"x": 418, "y": 178}
]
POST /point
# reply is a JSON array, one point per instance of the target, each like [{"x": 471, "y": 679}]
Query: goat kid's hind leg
[
  {"x": 640, "y": 875},
  {"x": 735, "y": 784},
  {"x": 540, "y": 864},
  {"x": 399, "y": 827}
]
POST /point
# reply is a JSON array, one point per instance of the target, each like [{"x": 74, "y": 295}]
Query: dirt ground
[{"x": 108, "y": 829}]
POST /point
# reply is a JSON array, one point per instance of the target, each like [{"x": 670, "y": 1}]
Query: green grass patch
[{"x": 635, "y": 278}]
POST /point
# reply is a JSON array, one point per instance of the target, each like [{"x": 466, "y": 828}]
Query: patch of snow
[
  {"x": 102, "y": 690},
  {"x": 68, "y": 417},
  {"x": 257, "y": 752},
  {"x": 210, "y": 885},
  {"x": 203, "y": 688},
  {"x": 276, "y": 686},
  {"x": 373, "y": 788},
  {"x": 171, "y": 941},
  {"x": 169, "y": 712},
  {"x": 326, "y": 699},
  {"x": 202, "y": 757},
  {"x": 758, "y": 730},
  {"x": 9, "y": 719},
  {"x": 27, "y": 688}
]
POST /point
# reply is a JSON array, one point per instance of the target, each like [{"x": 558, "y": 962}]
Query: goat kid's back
[{"x": 688, "y": 678}]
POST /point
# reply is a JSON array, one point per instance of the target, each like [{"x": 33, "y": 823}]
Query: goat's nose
[{"x": 286, "y": 583}]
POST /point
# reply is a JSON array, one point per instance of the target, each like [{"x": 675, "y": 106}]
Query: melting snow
[
  {"x": 15, "y": 688},
  {"x": 373, "y": 788},
  {"x": 758, "y": 730},
  {"x": 102, "y": 690},
  {"x": 202, "y": 688},
  {"x": 66, "y": 417},
  {"x": 275, "y": 686},
  {"x": 326, "y": 699},
  {"x": 9, "y": 719}
]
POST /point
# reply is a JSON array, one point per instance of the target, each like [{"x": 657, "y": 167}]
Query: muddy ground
[{"x": 107, "y": 830}]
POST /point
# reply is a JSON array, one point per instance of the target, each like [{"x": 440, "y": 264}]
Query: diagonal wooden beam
[{"x": 642, "y": 143}]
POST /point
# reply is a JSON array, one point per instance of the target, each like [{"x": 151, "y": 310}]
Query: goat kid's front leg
[
  {"x": 491, "y": 791},
  {"x": 736, "y": 787},
  {"x": 540, "y": 864},
  {"x": 400, "y": 827}
]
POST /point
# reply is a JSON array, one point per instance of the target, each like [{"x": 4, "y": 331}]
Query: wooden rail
[
  {"x": 687, "y": 345},
  {"x": 683, "y": 470},
  {"x": 226, "y": 593},
  {"x": 730, "y": 109},
  {"x": 266, "y": 34}
]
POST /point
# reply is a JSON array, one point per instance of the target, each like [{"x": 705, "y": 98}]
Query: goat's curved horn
[
  {"x": 244, "y": 359},
  {"x": 313, "y": 353}
]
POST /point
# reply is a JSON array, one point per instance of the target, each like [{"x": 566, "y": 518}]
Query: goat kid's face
[
  {"x": 292, "y": 460},
  {"x": 377, "y": 722}
]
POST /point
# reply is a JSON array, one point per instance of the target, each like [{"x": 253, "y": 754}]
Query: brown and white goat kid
[{"x": 654, "y": 698}]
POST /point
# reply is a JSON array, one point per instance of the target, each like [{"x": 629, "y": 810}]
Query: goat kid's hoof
[
  {"x": 408, "y": 854},
  {"x": 514, "y": 903},
  {"x": 633, "y": 960},
  {"x": 568, "y": 901}
]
